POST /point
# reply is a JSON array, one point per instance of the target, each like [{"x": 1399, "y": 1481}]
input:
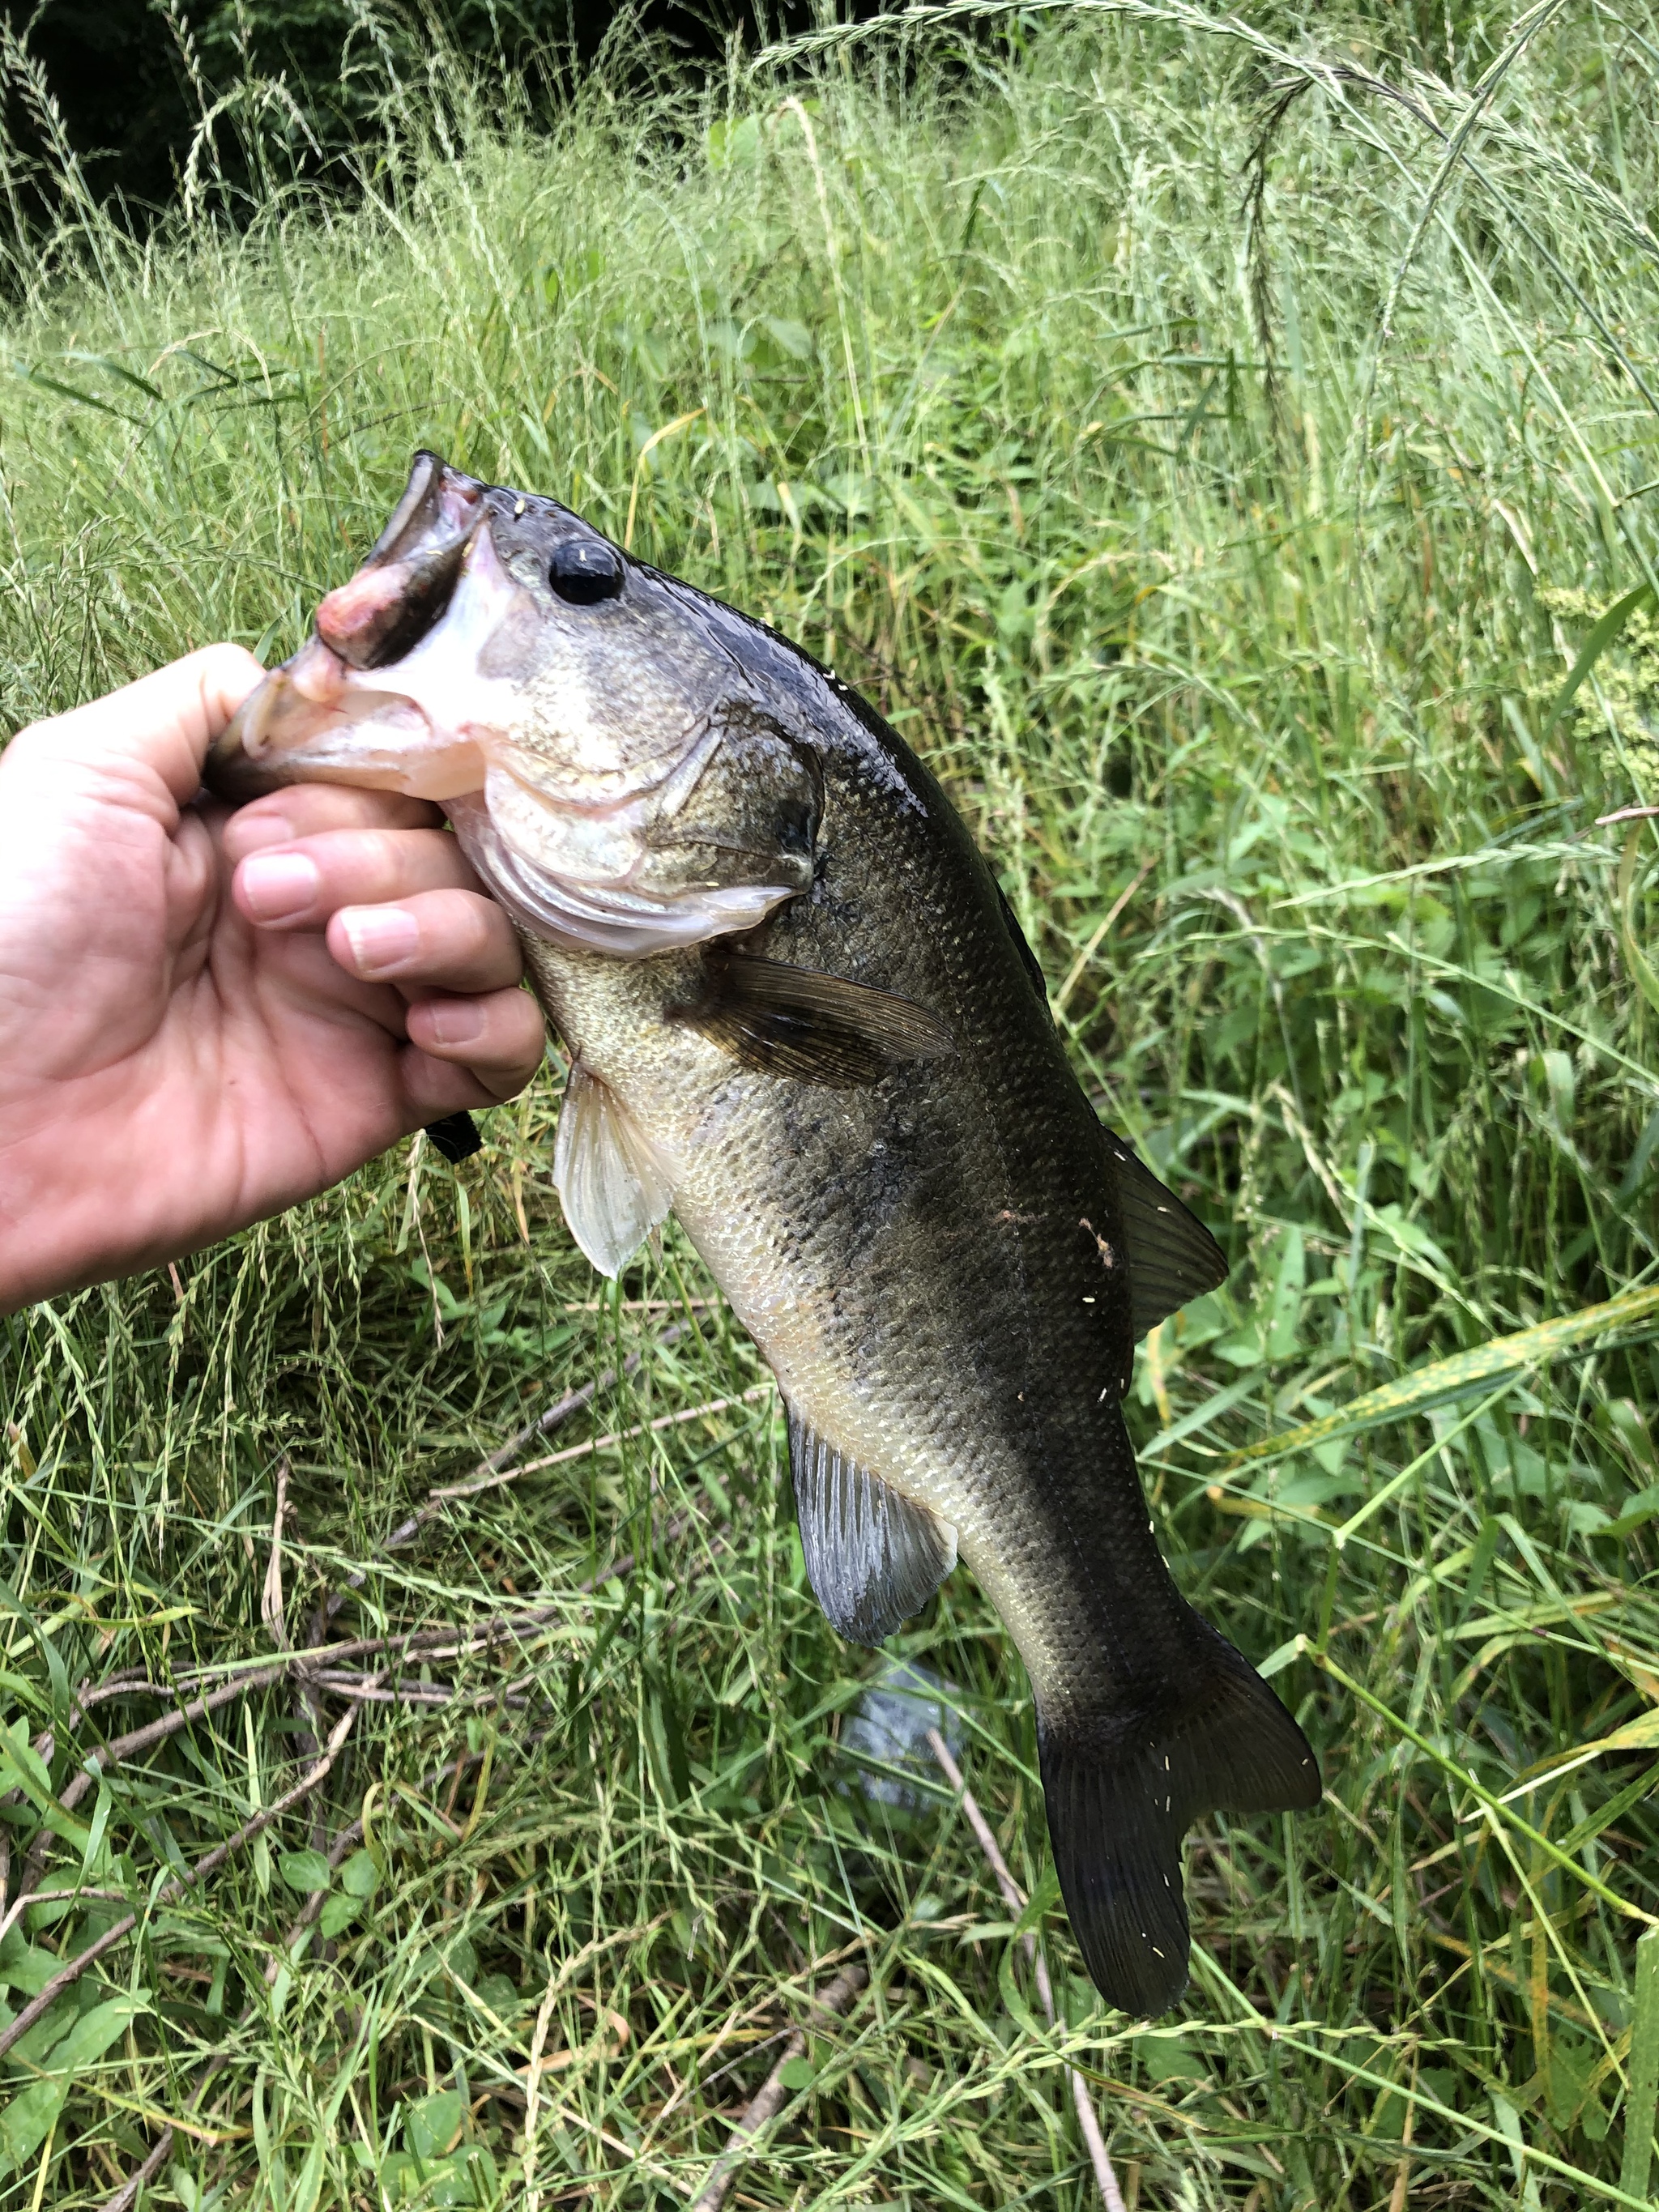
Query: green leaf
[
  {"x": 1636, "y": 958},
  {"x": 306, "y": 1871},
  {"x": 1644, "y": 2090},
  {"x": 794, "y": 338},
  {"x": 1041, "y": 1901},
  {"x": 1018, "y": 2011},
  {"x": 360, "y": 1876},
  {"x": 1285, "y": 1309},
  {"x": 21, "y": 1767},
  {"x": 308, "y": 2186},
  {"x": 27, "y": 2121},
  {"x": 1443, "y": 1380},
  {"x": 430, "y": 2123},
  {"x": 796, "y": 2074},
  {"x": 1169, "y": 2058},
  {"x": 24, "y": 1967},
  {"x": 338, "y": 1913},
  {"x": 734, "y": 144}
]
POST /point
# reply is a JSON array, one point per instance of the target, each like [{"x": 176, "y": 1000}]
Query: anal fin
[
  {"x": 613, "y": 1187},
  {"x": 873, "y": 1557}
]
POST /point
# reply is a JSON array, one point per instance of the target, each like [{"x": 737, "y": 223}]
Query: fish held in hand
[{"x": 800, "y": 1015}]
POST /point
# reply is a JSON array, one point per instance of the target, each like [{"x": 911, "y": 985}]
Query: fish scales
[{"x": 851, "y": 1091}]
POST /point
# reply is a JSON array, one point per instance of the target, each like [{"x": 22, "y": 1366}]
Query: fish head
[{"x": 619, "y": 776}]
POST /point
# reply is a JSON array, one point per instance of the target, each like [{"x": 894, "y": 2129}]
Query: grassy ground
[{"x": 1226, "y": 553}]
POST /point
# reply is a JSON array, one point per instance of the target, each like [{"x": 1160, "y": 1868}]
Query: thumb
[{"x": 164, "y": 723}]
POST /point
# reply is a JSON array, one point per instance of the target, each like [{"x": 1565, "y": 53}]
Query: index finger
[{"x": 164, "y": 722}]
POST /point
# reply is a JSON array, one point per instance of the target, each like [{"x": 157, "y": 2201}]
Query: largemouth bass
[{"x": 799, "y": 1014}]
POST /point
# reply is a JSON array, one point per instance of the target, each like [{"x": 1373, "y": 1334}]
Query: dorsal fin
[
  {"x": 1172, "y": 1256},
  {"x": 873, "y": 1557}
]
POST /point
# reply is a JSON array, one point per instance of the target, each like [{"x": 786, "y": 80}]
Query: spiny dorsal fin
[
  {"x": 873, "y": 1557},
  {"x": 822, "y": 1029},
  {"x": 613, "y": 1187},
  {"x": 1172, "y": 1255}
]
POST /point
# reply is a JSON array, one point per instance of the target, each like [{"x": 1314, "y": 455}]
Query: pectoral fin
[
  {"x": 874, "y": 1558},
  {"x": 796, "y": 1022},
  {"x": 1172, "y": 1255},
  {"x": 613, "y": 1187}
]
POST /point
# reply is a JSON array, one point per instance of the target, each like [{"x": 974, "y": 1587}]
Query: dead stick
[
  {"x": 349, "y": 1837},
  {"x": 489, "y": 1473},
  {"x": 120, "y": 1748},
  {"x": 127, "y": 2195},
  {"x": 107, "y": 1755},
  {"x": 68, "y": 1975},
  {"x": 427, "y": 1643},
  {"x": 833, "y": 1997},
  {"x": 471, "y": 1488},
  {"x": 1014, "y": 1898}
]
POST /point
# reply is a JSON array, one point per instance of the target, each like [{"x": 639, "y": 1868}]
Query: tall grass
[{"x": 1227, "y": 551}]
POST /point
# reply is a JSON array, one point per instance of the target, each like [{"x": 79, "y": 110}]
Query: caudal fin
[{"x": 1122, "y": 1793}]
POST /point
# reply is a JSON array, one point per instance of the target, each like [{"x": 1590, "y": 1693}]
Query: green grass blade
[
  {"x": 1644, "y": 2090},
  {"x": 1445, "y": 1380}
]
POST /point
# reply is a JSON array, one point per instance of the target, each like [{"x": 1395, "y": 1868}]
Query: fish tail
[{"x": 1122, "y": 1793}]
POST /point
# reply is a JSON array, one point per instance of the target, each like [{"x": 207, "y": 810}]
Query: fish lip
[
  {"x": 402, "y": 589},
  {"x": 244, "y": 762},
  {"x": 237, "y": 768},
  {"x": 297, "y": 726},
  {"x": 436, "y": 494}
]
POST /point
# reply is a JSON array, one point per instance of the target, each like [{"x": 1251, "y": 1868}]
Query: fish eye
[{"x": 584, "y": 573}]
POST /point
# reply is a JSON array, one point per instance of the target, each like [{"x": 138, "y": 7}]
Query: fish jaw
[{"x": 425, "y": 724}]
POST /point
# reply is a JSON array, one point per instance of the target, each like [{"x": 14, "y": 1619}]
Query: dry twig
[
  {"x": 359, "y": 1688},
  {"x": 491, "y": 1472},
  {"x": 127, "y": 2195},
  {"x": 834, "y": 1998},
  {"x": 1014, "y": 1896},
  {"x": 71, "y": 1972}
]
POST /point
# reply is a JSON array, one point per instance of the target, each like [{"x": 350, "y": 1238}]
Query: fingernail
[
  {"x": 455, "y": 1021},
  {"x": 381, "y": 937},
  {"x": 277, "y": 885}
]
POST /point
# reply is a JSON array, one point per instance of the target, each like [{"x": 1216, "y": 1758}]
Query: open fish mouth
[
  {"x": 492, "y": 654},
  {"x": 318, "y": 719}
]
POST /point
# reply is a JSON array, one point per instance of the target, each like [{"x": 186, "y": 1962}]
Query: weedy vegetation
[{"x": 1230, "y": 455}]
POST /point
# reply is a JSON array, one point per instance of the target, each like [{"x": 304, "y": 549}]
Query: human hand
[{"x": 206, "y": 1016}]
